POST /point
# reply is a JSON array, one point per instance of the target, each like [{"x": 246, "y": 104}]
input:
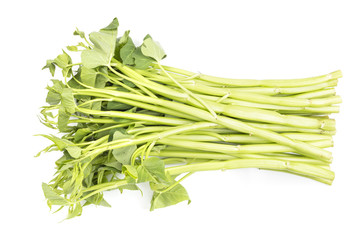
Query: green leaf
[
  {"x": 120, "y": 42},
  {"x": 63, "y": 119},
  {"x": 116, "y": 165},
  {"x": 87, "y": 170},
  {"x": 52, "y": 197},
  {"x": 74, "y": 151},
  {"x": 74, "y": 83},
  {"x": 112, "y": 131},
  {"x": 63, "y": 61},
  {"x": 47, "y": 149},
  {"x": 53, "y": 98},
  {"x": 77, "y": 32},
  {"x": 59, "y": 142},
  {"x": 124, "y": 38},
  {"x": 67, "y": 100},
  {"x": 81, "y": 44},
  {"x": 80, "y": 134},
  {"x": 68, "y": 187},
  {"x": 89, "y": 179},
  {"x": 169, "y": 197},
  {"x": 96, "y": 105},
  {"x": 51, "y": 66},
  {"x": 153, "y": 170},
  {"x": 131, "y": 185},
  {"x": 130, "y": 170},
  {"x": 126, "y": 52},
  {"x": 152, "y": 49},
  {"x": 113, "y": 25},
  {"x": 58, "y": 86},
  {"x": 97, "y": 199},
  {"x": 147, "y": 36},
  {"x": 117, "y": 106},
  {"x": 123, "y": 155},
  {"x": 128, "y": 83},
  {"x": 100, "y": 78},
  {"x": 104, "y": 46},
  {"x": 62, "y": 160},
  {"x": 74, "y": 211},
  {"x": 93, "y": 77},
  {"x": 141, "y": 61},
  {"x": 54, "y": 95},
  {"x": 88, "y": 76},
  {"x": 158, "y": 186},
  {"x": 72, "y": 48}
]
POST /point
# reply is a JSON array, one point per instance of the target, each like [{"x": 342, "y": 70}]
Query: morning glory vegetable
[{"x": 121, "y": 118}]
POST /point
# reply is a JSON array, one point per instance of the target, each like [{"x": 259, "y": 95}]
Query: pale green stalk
[
  {"x": 246, "y": 139},
  {"x": 155, "y": 136},
  {"x": 184, "y": 154},
  {"x": 235, "y": 149},
  {"x": 234, "y": 124},
  {"x": 317, "y": 94},
  {"x": 218, "y": 90},
  {"x": 244, "y": 113},
  {"x": 300, "y": 168},
  {"x": 261, "y": 83},
  {"x": 197, "y": 98},
  {"x": 136, "y": 116},
  {"x": 139, "y": 86},
  {"x": 282, "y": 128},
  {"x": 327, "y": 109}
]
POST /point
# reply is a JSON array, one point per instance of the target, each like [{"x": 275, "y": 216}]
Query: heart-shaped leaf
[
  {"x": 104, "y": 46},
  {"x": 152, "y": 49}
]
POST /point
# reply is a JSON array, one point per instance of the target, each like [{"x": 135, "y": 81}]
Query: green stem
[
  {"x": 93, "y": 120},
  {"x": 260, "y": 83},
  {"x": 92, "y": 101},
  {"x": 287, "y": 101},
  {"x": 240, "y": 112},
  {"x": 317, "y": 94},
  {"x": 96, "y": 143},
  {"x": 263, "y": 115},
  {"x": 236, "y": 149},
  {"x": 218, "y": 90},
  {"x": 175, "y": 183},
  {"x": 139, "y": 86},
  {"x": 142, "y": 105},
  {"x": 117, "y": 82},
  {"x": 231, "y": 123},
  {"x": 139, "y": 131},
  {"x": 151, "y": 137},
  {"x": 184, "y": 154},
  {"x": 299, "y": 168},
  {"x": 244, "y": 113},
  {"x": 111, "y": 127},
  {"x": 328, "y": 109},
  {"x": 245, "y": 139},
  {"x": 202, "y": 102},
  {"x": 101, "y": 188},
  {"x": 282, "y": 128},
  {"x": 135, "y": 116},
  {"x": 248, "y": 113}
]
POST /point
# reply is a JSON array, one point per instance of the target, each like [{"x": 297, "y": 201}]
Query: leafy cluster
[
  {"x": 81, "y": 173},
  {"x": 123, "y": 119}
]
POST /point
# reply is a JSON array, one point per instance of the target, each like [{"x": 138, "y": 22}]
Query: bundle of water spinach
[{"x": 122, "y": 118}]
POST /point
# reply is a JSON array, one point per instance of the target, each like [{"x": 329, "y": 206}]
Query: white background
[{"x": 244, "y": 39}]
